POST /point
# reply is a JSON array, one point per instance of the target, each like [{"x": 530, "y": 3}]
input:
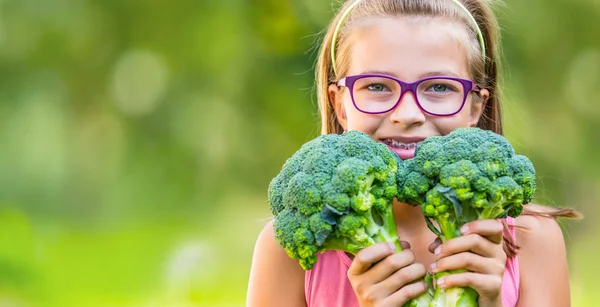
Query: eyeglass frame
[{"x": 468, "y": 87}]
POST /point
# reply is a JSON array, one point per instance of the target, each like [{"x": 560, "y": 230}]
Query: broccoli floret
[
  {"x": 466, "y": 175},
  {"x": 336, "y": 193}
]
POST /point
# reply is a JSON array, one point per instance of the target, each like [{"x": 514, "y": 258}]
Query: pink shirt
[{"x": 327, "y": 284}]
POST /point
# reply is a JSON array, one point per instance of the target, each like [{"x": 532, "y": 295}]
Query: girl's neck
[{"x": 409, "y": 220}]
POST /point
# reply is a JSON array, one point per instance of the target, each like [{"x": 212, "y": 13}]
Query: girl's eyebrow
[
  {"x": 440, "y": 73},
  {"x": 379, "y": 72},
  {"x": 446, "y": 73}
]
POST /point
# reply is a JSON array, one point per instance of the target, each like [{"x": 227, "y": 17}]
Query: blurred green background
[{"x": 138, "y": 138}]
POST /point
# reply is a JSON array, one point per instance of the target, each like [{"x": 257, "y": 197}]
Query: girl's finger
[
  {"x": 402, "y": 277},
  {"x": 434, "y": 245},
  {"x": 471, "y": 262},
  {"x": 491, "y": 229},
  {"x": 488, "y": 286},
  {"x": 389, "y": 265},
  {"x": 405, "y": 294},
  {"x": 370, "y": 255},
  {"x": 472, "y": 242}
]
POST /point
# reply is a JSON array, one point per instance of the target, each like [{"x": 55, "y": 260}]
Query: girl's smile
[{"x": 404, "y": 147}]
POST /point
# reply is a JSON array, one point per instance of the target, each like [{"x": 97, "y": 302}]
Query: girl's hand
[
  {"x": 480, "y": 251},
  {"x": 381, "y": 277}
]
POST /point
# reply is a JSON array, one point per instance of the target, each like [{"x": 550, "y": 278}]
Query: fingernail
[
  {"x": 438, "y": 250},
  {"x": 392, "y": 247},
  {"x": 464, "y": 229},
  {"x": 440, "y": 282},
  {"x": 432, "y": 266}
]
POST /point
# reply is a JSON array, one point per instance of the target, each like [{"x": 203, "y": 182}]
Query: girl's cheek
[
  {"x": 364, "y": 122},
  {"x": 448, "y": 124}
]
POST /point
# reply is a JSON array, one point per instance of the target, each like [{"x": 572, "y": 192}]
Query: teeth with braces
[{"x": 400, "y": 145}]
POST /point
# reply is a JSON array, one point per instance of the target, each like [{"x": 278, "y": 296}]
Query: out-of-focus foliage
[{"x": 138, "y": 138}]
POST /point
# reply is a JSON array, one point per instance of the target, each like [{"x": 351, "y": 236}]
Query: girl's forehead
[{"x": 410, "y": 47}]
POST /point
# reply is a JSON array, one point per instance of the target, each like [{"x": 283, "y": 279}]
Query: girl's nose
[{"x": 407, "y": 112}]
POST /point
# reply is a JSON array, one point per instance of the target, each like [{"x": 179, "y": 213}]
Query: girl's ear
[
  {"x": 478, "y": 107},
  {"x": 337, "y": 101}
]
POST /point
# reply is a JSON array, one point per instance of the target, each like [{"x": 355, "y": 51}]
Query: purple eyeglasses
[{"x": 438, "y": 95}]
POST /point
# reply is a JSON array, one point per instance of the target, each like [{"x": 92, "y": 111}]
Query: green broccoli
[
  {"x": 467, "y": 175},
  {"x": 336, "y": 193}
]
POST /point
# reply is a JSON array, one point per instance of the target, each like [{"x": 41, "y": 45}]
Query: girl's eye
[
  {"x": 376, "y": 87},
  {"x": 439, "y": 88}
]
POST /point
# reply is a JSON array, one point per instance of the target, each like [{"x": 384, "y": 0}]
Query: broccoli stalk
[
  {"x": 469, "y": 174},
  {"x": 336, "y": 193}
]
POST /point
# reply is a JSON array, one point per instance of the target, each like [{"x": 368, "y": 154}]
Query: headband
[{"x": 349, "y": 9}]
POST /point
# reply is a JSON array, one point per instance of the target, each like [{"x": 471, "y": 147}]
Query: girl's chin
[{"x": 404, "y": 154}]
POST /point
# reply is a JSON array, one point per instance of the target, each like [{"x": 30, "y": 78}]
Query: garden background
[{"x": 138, "y": 138}]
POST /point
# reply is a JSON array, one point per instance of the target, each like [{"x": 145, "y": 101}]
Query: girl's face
[{"x": 408, "y": 49}]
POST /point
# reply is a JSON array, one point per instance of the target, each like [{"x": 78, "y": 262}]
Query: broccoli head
[
  {"x": 466, "y": 175},
  {"x": 335, "y": 193}
]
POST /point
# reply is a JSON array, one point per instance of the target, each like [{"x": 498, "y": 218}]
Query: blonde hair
[{"x": 484, "y": 72}]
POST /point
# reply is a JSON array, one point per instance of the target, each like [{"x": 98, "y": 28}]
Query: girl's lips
[{"x": 404, "y": 154}]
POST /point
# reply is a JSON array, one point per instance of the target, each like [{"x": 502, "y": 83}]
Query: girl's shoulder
[
  {"x": 537, "y": 223},
  {"x": 537, "y": 231},
  {"x": 275, "y": 278}
]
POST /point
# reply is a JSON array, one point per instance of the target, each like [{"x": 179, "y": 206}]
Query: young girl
[{"x": 402, "y": 71}]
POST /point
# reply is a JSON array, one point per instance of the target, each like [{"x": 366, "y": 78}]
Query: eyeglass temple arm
[{"x": 342, "y": 82}]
